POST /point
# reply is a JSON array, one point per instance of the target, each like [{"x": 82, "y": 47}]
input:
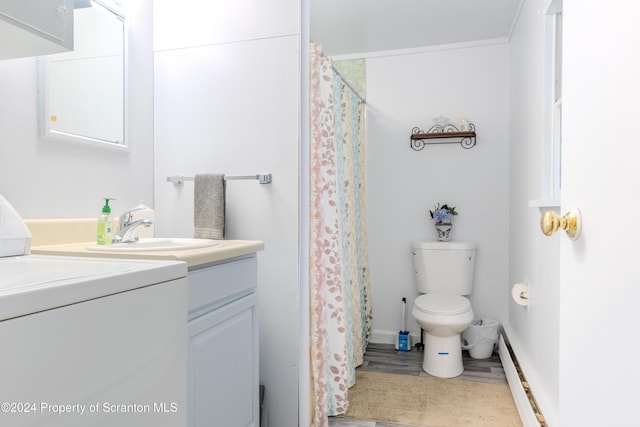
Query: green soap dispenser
[{"x": 105, "y": 223}]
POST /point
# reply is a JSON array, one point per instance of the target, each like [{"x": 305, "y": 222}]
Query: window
[{"x": 552, "y": 134}]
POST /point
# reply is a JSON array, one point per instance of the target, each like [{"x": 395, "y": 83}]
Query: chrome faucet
[{"x": 128, "y": 227}]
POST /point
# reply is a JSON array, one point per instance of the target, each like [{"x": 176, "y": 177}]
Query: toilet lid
[{"x": 442, "y": 304}]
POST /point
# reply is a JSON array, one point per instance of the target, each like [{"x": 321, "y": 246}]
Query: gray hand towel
[{"x": 208, "y": 209}]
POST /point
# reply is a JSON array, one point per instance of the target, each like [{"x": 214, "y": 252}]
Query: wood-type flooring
[{"x": 385, "y": 358}]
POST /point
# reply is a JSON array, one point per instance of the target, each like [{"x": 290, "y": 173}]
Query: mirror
[{"x": 82, "y": 93}]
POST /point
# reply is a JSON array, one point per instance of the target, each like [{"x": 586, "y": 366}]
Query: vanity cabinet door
[
  {"x": 35, "y": 27},
  {"x": 223, "y": 387}
]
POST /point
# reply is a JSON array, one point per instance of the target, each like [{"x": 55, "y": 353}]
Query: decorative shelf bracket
[{"x": 447, "y": 134}]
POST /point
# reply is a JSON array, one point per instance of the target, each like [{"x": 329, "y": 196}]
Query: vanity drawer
[{"x": 212, "y": 287}]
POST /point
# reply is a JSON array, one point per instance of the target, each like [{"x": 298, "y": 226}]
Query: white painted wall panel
[
  {"x": 197, "y": 23},
  {"x": 233, "y": 109}
]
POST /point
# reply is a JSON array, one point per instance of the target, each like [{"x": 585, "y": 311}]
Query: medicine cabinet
[{"x": 82, "y": 93}]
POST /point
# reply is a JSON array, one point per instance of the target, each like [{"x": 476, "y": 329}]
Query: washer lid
[{"x": 443, "y": 304}]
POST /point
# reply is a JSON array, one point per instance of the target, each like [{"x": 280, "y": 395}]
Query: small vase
[{"x": 444, "y": 232}]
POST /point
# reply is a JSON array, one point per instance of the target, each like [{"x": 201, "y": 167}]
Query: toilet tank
[{"x": 444, "y": 267}]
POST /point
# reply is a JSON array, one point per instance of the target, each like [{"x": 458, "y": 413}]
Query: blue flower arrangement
[{"x": 442, "y": 213}]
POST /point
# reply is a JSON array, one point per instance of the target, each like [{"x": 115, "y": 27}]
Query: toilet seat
[{"x": 442, "y": 304}]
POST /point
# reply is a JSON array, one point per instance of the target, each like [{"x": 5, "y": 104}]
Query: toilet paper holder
[{"x": 520, "y": 293}]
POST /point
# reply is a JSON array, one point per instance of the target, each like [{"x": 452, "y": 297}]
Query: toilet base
[{"x": 442, "y": 356}]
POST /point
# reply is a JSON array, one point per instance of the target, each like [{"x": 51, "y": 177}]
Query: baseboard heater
[{"x": 530, "y": 414}]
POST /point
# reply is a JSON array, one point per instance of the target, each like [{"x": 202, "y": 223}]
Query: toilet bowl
[
  {"x": 442, "y": 317},
  {"x": 444, "y": 275}
]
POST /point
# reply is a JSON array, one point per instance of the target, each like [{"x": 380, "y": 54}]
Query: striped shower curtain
[{"x": 340, "y": 309}]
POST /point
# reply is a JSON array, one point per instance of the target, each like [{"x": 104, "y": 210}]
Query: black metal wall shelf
[{"x": 447, "y": 134}]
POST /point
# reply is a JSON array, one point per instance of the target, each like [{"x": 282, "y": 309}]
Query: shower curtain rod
[{"x": 355, "y": 92}]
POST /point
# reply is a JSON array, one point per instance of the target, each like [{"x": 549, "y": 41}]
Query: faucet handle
[{"x": 127, "y": 217}]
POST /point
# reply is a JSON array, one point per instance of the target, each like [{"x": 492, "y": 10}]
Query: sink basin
[{"x": 155, "y": 244}]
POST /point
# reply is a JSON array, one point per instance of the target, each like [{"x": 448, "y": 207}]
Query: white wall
[
  {"x": 532, "y": 331},
  {"x": 404, "y": 91},
  {"x": 227, "y": 100},
  {"x": 44, "y": 179}
]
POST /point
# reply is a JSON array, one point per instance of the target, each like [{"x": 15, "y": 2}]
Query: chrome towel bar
[{"x": 263, "y": 178}]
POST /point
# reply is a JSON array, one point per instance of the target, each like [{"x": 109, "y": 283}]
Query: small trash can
[{"x": 480, "y": 338}]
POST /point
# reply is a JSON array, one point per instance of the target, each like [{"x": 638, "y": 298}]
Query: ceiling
[{"x": 357, "y": 27}]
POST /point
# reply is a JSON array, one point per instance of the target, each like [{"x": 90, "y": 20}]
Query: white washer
[{"x": 88, "y": 342}]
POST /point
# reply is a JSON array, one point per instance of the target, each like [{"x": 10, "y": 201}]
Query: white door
[{"x": 600, "y": 280}]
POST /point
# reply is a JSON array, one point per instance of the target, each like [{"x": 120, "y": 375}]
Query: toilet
[{"x": 444, "y": 274}]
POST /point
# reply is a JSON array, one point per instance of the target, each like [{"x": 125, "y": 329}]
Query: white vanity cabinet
[
  {"x": 35, "y": 27},
  {"x": 223, "y": 388},
  {"x": 223, "y": 382}
]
